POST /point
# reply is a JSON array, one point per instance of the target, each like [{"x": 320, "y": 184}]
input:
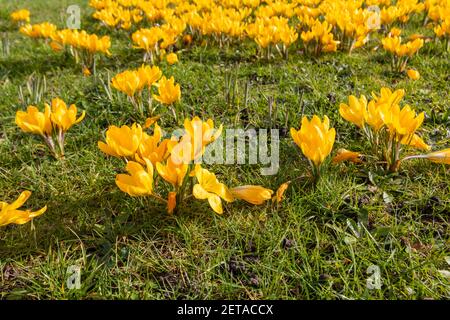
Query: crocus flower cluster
[
  {"x": 20, "y": 16},
  {"x": 388, "y": 127},
  {"x": 133, "y": 83},
  {"x": 174, "y": 160},
  {"x": 54, "y": 122}
]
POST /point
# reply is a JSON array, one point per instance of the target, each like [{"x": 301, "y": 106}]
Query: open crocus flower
[
  {"x": 122, "y": 142},
  {"x": 152, "y": 148},
  {"x": 149, "y": 75},
  {"x": 387, "y": 96},
  {"x": 64, "y": 118},
  {"x": 200, "y": 134},
  {"x": 9, "y": 213},
  {"x": 172, "y": 172},
  {"x": 252, "y": 194},
  {"x": 355, "y": 111},
  {"x": 404, "y": 122},
  {"x": 347, "y": 155},
  {"x": 315, "y": 139},
  {"x": 208, "y": 187},
  {"x": 168, "y": 91},
  {"x": 139, "y": 181},
  {"x": 34, "y": 121}
]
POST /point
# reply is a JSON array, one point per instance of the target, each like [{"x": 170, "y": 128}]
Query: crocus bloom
[
  {"x": 315, "y": 138},
  {"x": 404, "y": 122},
  {"x": 168, "y": 91},
  {"x": 21, "y": 15},
  {"x": 129, "y": 82},
  {"x": 208, "y": 187},
  {"x": 347, "y": 155},
  {"x": 152, "y": 148},
  {"x": 200, "y": 133},
  {"x": 148, "y": 75},
  {"x": 122, "y": 142},
  {"x": 442, "y": 156},
  {"x": 62, "y": 117},
  {"x": 9, "y": 213},
  {"x": 139, "y": 181},
  {"x": 34, "y": 121},
  {"x": 172, "y": 58},
  {"x": 252, "y": 194},
  {"x": 413, "y": 74},
  {"x": 172, "y": 172},
  {"x": 355, "y": 111}
]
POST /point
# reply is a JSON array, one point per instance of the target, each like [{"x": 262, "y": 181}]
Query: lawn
[{"x": 322, "y": 241}]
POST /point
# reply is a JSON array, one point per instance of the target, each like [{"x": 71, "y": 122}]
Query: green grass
[{"x": 306, "y": 249}]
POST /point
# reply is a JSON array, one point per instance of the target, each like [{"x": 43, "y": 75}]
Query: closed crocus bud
[
  {"x": 442, "y": 156},
  {"x": 171, "y": 202},
  {"x": 347, "y": 155},
  {"x": 252, "y": 194},
  {"x": 34, "y": 121},
  {"x": 413, "y": 74},
  {"x": 129, "y": 82},
  {"x": 355, "y": 111},
  {"x": 172, "y": 58},
  {"x": 315, "y": 138}
]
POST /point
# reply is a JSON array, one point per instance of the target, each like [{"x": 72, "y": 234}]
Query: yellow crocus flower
[
  {"x": 315, "y": 138},
  {"x": 200, "y": 133},
  {"x": 139, "y": 181},
  {"x": 20, "y": 15},
  {"x": 9, "y": 213},
  {"x": 172, "y": 172},
  {"x": 416, "y": 142},
  {"x": 208, "y": 187},
  {"x": 252, "y": 194},
  {"x": 168, "y": 91},
  {"x": 34, "y": 121},
  {"x": 347, "y": 155},
  {"x": 62, "y": 117},
  {"x": 122, "y": 142},
  {"x": 129, "y": 82},
  {"x": 172, "y": 58},
  {"x": 148, "y": 75},
  {"x": 442, "y": 156},
  {"x": 404, "y": 122},
  {"x": 413, "y": 74},
  {"x": 356, "y": 110}
]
